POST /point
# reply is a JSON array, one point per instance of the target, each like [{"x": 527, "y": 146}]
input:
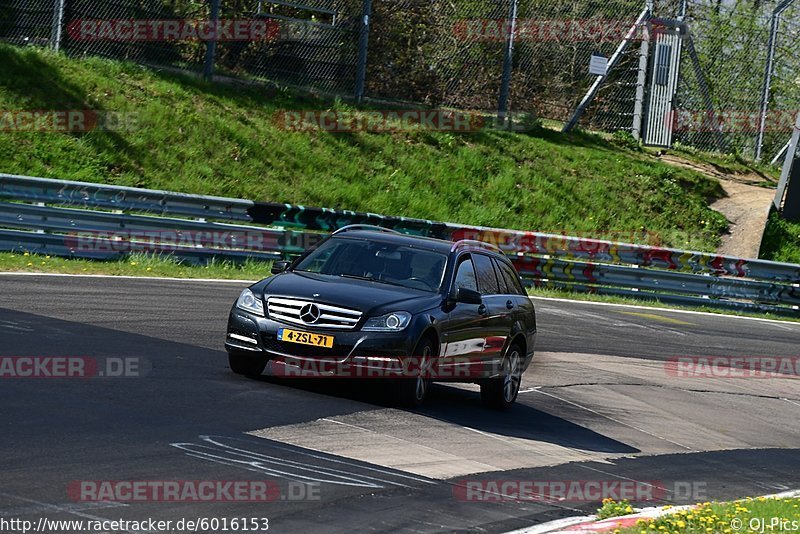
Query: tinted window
[
  {"x": 501, "y": 280},
  {"x": 487, "y": 280},
  {"x": 465, "y": 276},
  {"x": 511, "y": 279}
]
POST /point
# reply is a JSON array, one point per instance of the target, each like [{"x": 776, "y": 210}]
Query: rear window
[{"x": 510, "y": 278}]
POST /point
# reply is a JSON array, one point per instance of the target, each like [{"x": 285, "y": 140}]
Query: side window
[
  {"x": 487, "y": 280},
  {"x": 501, "y": 279},
  {"x": 465, "y": 275},
  {"x": 511, "y": 279}
]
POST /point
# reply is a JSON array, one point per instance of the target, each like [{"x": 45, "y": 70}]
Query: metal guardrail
[
  {"x": 114, "y": 197},
  {"x": 64, "y": 218}
]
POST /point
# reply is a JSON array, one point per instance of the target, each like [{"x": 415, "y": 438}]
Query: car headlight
[
  {"x": 391, "y": 322},
  {"x": 249, "y": 302}
]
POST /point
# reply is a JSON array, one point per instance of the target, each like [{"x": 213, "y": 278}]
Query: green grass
[
  {"x": 749, "y": 515},
  {"x": 781, "y": 240},
  {"x": 135, "y": 265},
  {"x": 222, "y": 140}
]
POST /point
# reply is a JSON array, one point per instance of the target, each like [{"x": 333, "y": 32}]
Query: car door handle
[
  {"x": 483, "y": 310},
  {"x": 509, "y": 304}
]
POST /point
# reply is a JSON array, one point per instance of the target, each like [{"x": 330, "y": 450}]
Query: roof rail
[
  {"x": 372, "y": 227},
  {"x": 472, "y": 243}
]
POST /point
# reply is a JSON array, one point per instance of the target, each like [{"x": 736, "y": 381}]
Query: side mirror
[
  {"x": 280, "y": 266},
  {"x": 468, "y": 296}
]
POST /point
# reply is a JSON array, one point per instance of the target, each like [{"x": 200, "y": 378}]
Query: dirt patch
[{"x": 745, "y": 205}]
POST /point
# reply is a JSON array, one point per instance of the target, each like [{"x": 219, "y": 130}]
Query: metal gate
[{"x": 664, "y": 71}]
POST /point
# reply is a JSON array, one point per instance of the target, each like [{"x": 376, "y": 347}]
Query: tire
[
  {"x": 501, "y": 392},
  {"x": 412, "y": 392},
  {"x": 247, "y": 365}
]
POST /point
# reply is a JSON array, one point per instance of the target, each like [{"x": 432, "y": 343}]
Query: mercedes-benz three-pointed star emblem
[{"x": 309, "y": 313}]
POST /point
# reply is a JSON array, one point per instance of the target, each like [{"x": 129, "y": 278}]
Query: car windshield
[{"x": 387, "y": 263}]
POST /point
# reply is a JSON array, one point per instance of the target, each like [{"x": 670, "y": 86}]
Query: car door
[
  {"x": 523, "y": 311},
  {"x": 500, "y": 320},
  {"x": 464, "y": 333}
]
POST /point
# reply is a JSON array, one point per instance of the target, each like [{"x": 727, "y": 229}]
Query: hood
[{"x": 369, "y": 297}]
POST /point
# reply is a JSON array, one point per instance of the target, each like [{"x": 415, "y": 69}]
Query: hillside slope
[{"x": 223, "y": 140}]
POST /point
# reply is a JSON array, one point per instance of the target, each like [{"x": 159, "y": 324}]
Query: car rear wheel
[
  {"x": 501, "y": 392},
  {"x": 246, "y": 365},
  {"x": 412, "y": 391}
]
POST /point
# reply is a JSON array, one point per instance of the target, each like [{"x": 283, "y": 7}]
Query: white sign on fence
[{"x": 598, "y": 65}]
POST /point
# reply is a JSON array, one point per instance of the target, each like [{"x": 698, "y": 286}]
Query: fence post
[
  {"x": 211, "y": 45},
  {"x": 773, "y": 35},
  {"x": 363, "y": 49},
  {"x": 505, "y": 85},
  {"x": 641, "y": 78},
  {"x": 58, "y": 22}
]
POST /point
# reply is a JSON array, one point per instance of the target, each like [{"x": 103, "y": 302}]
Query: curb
[{"x": 590, "y": 523}]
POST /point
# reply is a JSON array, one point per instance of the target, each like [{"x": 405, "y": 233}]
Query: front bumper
[{"x": 256, "y": 335}]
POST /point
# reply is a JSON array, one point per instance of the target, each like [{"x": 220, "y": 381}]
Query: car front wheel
[
  {"x": 246, "y": 365},
  {"x": 501, "y": 392},
  {"x": 411, "y": 391}
]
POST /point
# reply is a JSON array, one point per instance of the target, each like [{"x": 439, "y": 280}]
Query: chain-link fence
[
  {"x": 529, "y": 56},
  {"x": 732, "y": 45},
  {"x": 28, "y": 22}
]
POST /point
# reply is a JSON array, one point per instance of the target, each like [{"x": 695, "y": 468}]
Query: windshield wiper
[{"x": 370, "y": 279}]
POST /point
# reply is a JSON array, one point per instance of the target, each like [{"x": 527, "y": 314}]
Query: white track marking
[
  {"x": 787, "y": 325},
  {"x": 64, "y": 509},
  {"x": 615, "y": 420},
  {"x": 124, "y": 277},
  {"x": 253, "y": 461}
]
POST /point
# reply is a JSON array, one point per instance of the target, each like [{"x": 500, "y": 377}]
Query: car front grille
[{"x": 291, "y": 311}]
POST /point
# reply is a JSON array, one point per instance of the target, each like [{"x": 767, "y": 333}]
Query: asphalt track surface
[{"x": 598, "y": 404}]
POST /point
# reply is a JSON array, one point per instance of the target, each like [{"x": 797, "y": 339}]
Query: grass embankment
[
  {"x": 775, "y": 515},
  {"x": 223, "y": 140},
  {"x": 781, "y": 240}
]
